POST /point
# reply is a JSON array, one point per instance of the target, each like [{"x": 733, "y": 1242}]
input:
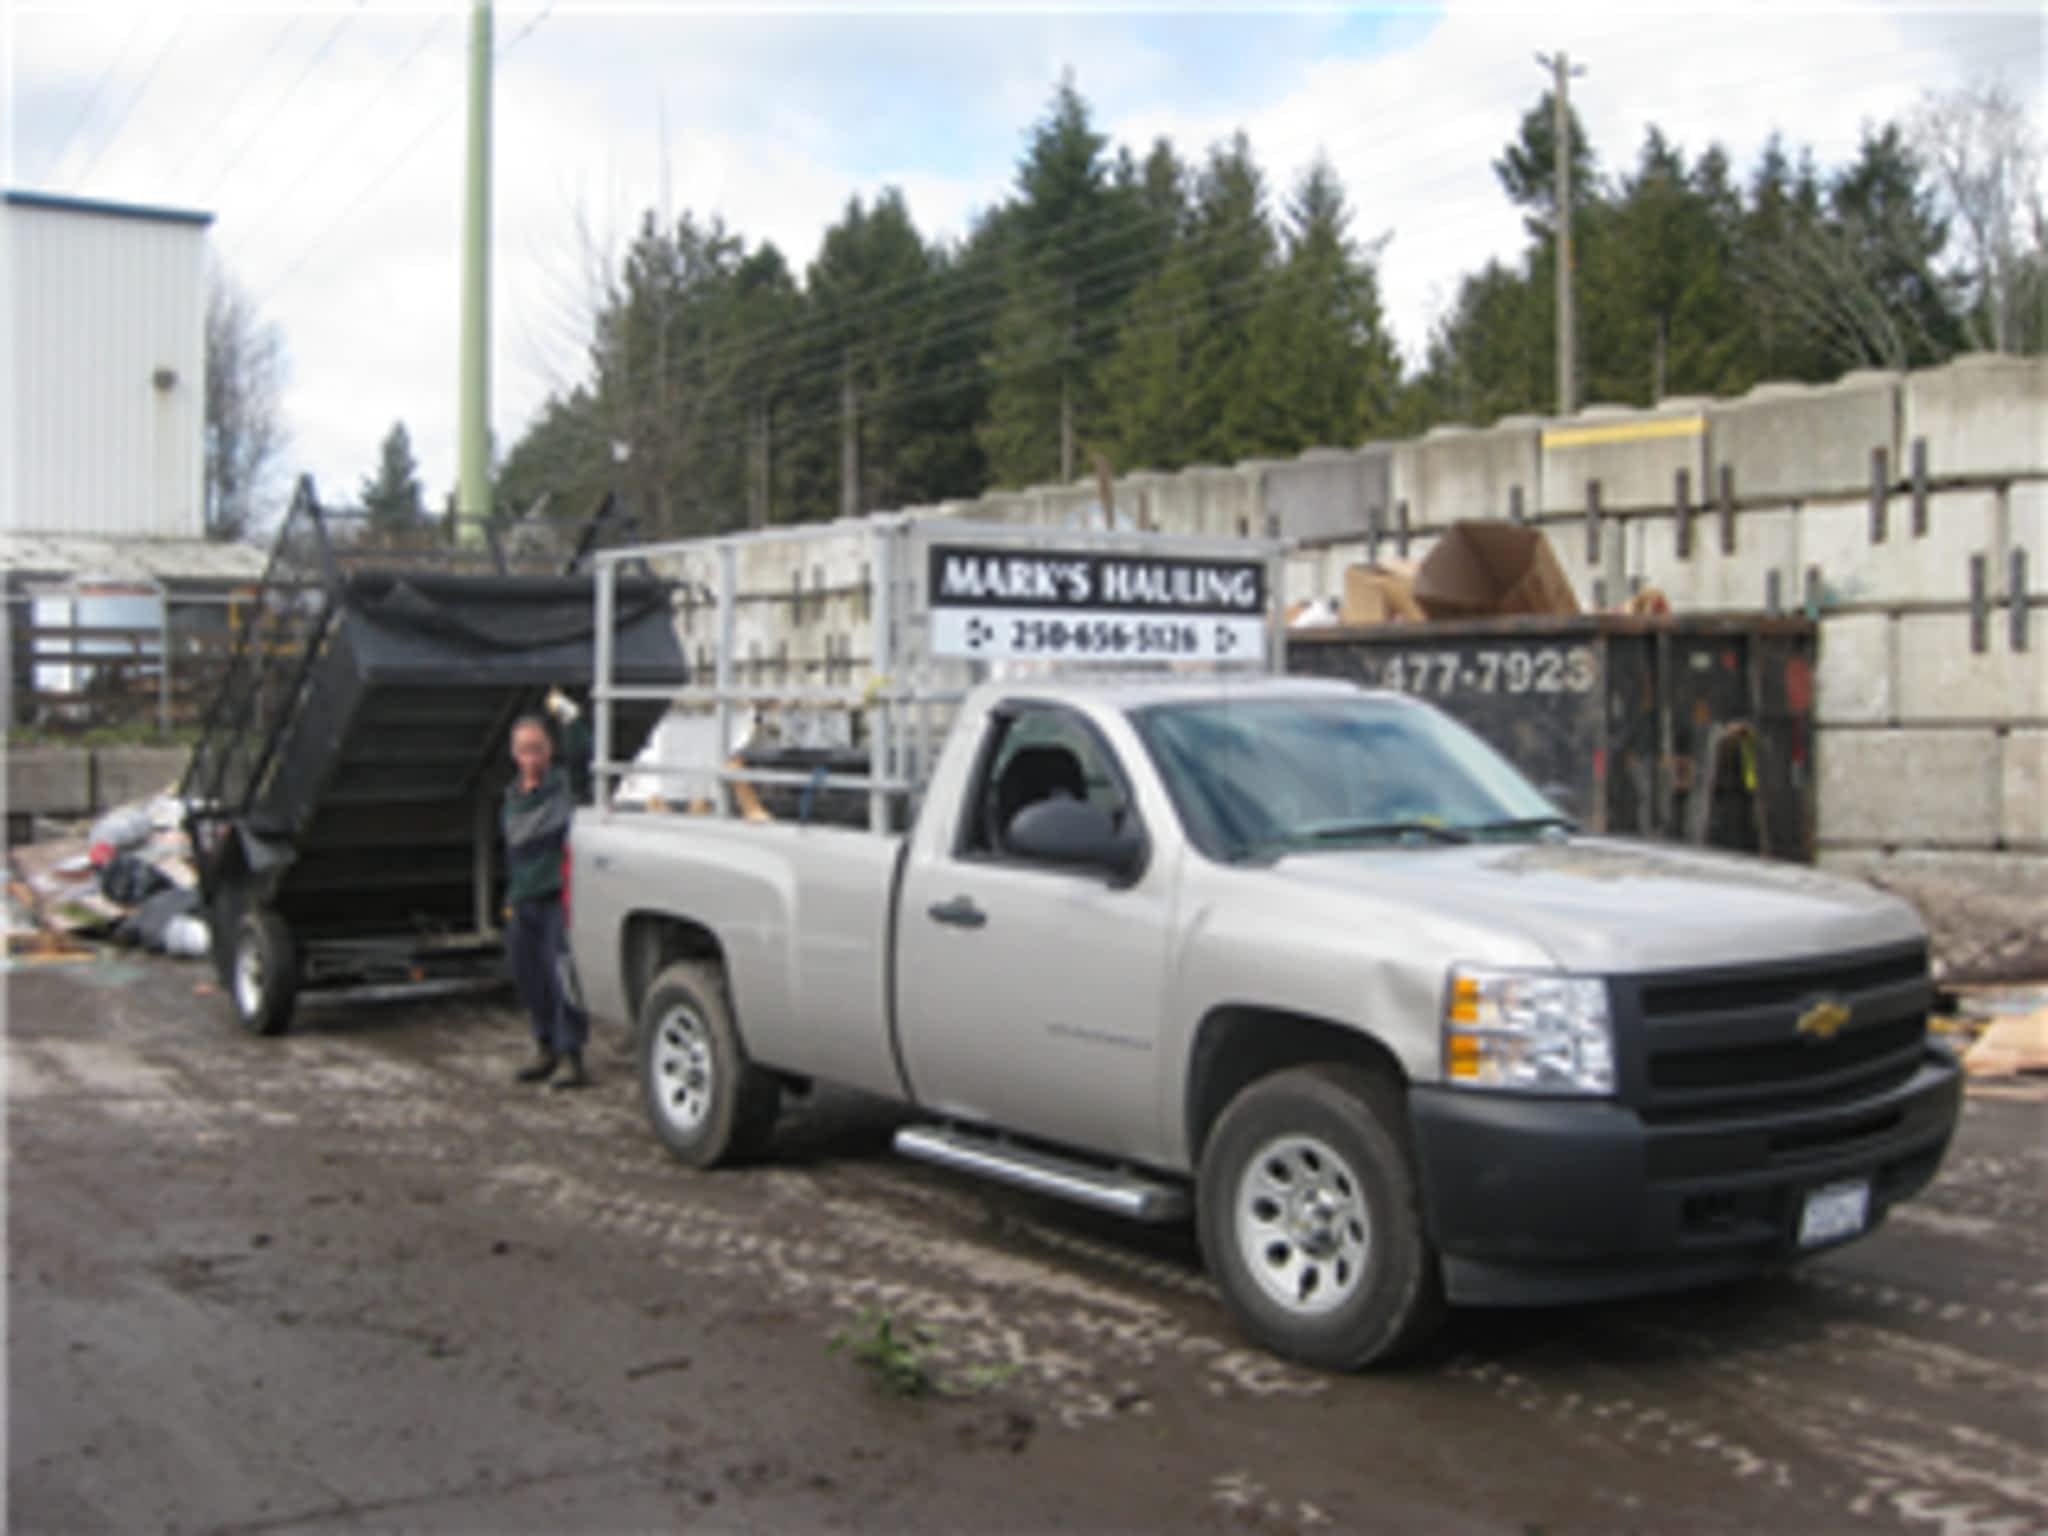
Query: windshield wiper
[
  {"x": 1339, "y": 831},
  {"x": 1527, "y": 824}
]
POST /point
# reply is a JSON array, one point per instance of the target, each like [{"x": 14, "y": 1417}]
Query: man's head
[{"x": 532, "y": 749}]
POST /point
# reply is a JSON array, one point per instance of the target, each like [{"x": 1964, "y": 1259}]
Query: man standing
[{"x": 538, "y": 805}]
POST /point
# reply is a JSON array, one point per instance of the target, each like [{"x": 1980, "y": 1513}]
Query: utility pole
[
  {"x": 473, "y": 499},
  {"x": 1562, "y": 71}
]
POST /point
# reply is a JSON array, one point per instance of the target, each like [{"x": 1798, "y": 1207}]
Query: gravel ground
[{"x": 353, "y": 1279}]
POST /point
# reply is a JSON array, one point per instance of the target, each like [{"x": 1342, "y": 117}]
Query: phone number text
[{"x": 1443, "y": 673}]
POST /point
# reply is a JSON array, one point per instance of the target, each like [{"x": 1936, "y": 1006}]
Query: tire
[
  {"x": 264, "y": 982},
  {"x": 705, "y": 1100},
  {"x": 1310, "y": 1224}
]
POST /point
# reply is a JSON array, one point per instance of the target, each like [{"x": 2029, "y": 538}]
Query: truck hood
[{"x": 1611, "y": 907}]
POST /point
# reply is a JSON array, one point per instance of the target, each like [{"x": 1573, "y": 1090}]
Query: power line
[
  {"x": 134, "y": 101},
  {"x": 343, "y": 129},
  {"x": 92, "y": 101},
  {"x": 314, "y": 245},
  {"x": 249, "y": 139}
]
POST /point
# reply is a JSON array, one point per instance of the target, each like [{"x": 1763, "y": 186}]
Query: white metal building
[{"x": 103, "y": 344}]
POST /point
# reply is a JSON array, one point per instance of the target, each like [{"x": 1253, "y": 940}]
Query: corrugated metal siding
[{"x": 99, "y": 305}]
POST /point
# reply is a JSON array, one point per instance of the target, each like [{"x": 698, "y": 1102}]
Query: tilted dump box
[{"x": 343, "y": 798}]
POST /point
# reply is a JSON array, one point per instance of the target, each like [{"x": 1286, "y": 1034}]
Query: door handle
[{"x": 960, "y": 912}]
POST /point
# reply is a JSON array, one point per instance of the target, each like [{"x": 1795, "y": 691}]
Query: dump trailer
[{"x": 342, "y": 801}]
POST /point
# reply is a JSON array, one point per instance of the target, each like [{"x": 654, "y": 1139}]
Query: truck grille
[{"x": 1726, "y": 1043}]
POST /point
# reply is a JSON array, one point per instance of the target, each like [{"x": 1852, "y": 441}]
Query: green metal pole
[{"x": 473, "y": 496}]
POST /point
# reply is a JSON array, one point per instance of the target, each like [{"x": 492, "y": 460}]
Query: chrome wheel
[
  {"x": 682, "y": 1069},
  {"x": 1304, "y": 1230},
  {"x": 249, "y": 978}
]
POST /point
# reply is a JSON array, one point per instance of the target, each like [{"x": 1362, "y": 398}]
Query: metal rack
[{"x": 903, "y": 706}]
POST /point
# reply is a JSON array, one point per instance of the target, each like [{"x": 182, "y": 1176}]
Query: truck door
[{"x": 1029, "y": 995}]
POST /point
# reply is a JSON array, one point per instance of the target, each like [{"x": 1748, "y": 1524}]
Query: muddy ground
[{"x": 353, "y": 1279}]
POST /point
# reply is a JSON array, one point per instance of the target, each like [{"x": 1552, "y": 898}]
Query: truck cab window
[{"x": 1040, "y": 754}]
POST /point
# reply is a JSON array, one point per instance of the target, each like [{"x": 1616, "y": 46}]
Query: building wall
[{"x": 99, "y": 303}]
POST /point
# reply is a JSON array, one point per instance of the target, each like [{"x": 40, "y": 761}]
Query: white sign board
[{"x": 997, "y": 604}]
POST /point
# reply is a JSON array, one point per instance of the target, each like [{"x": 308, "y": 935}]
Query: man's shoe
[
  {"x": 542, "y": 1067},
  {"x": 573, "y": 1075}
]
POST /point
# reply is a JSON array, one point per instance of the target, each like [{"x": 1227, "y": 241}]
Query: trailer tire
[
  {"x": 1310, "y": 1222},
  {"x": 265, "y": 975},
  {"x": 706, "y": 1101}
]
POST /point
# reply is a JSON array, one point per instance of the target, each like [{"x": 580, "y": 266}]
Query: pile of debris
[
  {"x": 127, "y": 878},
  {"x": 2000, "y": 1032},
  {"x": 1478, "y": 569}
]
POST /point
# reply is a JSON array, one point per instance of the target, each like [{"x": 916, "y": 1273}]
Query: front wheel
[
  {"x": 707, "y": 1102},
  {"x": 1309, "y": 1220}
]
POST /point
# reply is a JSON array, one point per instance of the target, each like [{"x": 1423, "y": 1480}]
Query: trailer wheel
[
  {"x": 707, "y": 1102},
  {"x": 265, "y": 982},
  {"x": 1310, "y": 1224}
]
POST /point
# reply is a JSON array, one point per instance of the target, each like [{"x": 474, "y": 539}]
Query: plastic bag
[
  {"x": 128, "y": 827},
  {"x": 188, "y": 937},
  {"x": 130, "y": 881}
]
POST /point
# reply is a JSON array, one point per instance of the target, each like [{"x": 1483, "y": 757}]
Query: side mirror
[{"x": 1076, "y": 833}]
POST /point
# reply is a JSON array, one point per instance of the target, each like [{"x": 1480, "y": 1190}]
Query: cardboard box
[
  {"x": 1481, "y": 570},
  {"x": 1378, "y": 594}
]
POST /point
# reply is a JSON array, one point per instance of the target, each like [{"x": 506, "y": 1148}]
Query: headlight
[{"x": 1528, "y": 1031}]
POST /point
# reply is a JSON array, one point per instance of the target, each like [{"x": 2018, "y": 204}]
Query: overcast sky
[{"x": 328, "y": 139}]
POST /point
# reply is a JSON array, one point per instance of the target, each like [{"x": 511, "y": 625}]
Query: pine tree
[
  {"x": 1234, "y": 257},
  {"x": 1322, "y": 369},
  {"x": 391, "y": 498},
  {"x": 1059, "y": 301}
]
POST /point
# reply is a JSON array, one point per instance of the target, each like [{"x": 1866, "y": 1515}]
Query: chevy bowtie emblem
[{"x": 1823, "y": 1021}]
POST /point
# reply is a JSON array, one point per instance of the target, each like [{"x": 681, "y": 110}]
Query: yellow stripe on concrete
[{"x": 1625, "y": 432}]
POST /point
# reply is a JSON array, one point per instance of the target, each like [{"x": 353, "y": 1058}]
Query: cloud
[{"x": 329, "y": 140}]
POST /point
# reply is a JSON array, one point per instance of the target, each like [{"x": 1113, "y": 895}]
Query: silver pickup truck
[{"x": 1313, "y": 964}]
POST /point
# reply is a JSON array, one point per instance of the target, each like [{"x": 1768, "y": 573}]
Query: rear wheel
[
  {"x": 1310, "y": 1223},
  {"x": 706, "y": 1101},
  {"x": 264, "y": 977}
]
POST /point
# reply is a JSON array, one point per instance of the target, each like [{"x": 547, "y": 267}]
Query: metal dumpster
[
  {"x": 342, "y": 799},
  {"x": 1694, "y": 728}
]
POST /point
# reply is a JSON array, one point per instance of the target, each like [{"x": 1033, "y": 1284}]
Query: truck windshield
[{"x": 1256, "y": 777}]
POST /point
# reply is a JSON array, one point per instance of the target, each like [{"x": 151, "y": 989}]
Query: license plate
[{"x": 1833, "y": 1213}]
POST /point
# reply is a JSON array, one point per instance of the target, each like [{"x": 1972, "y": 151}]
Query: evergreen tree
[
  {"x": 1234, "y": 253},
  {"x": 1527, "y": 167},
  {"x": 391, "y": 497},
  {"x": 1059, "y": 301},
  {"x": 1147, "y": 381},
  {"x": 1322, "y": 369}
]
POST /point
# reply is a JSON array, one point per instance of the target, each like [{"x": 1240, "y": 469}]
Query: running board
[{"x": 1106, "y": 1189}]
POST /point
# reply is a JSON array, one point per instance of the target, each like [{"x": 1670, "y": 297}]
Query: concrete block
[
  {"x": 1461, "y": 472},
  {"x": 1940, "y": 678},
  {"x": 1211, "y": 501},
  {"x": 49, "y": 781},
  {"x": 1766, "y": 540},
  {"x": 2024, "y": 818},
  {"x": 1834, "y": 535},
  {"x": 124, "y": 774},
  {"x": 1325, "y": 493},
  {"x": 1568, "y": 543},
  {"x": 1906, "y": 787},
  {"x": 1986, "y": 912},
  {"x": 1635, "y": 455},
  {"x": 1795, "y": 440},
  {"x": 2026, "y": 518},
  {"x": 1853, "y": 685},
  {"x": 1980, "y": 415}
]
